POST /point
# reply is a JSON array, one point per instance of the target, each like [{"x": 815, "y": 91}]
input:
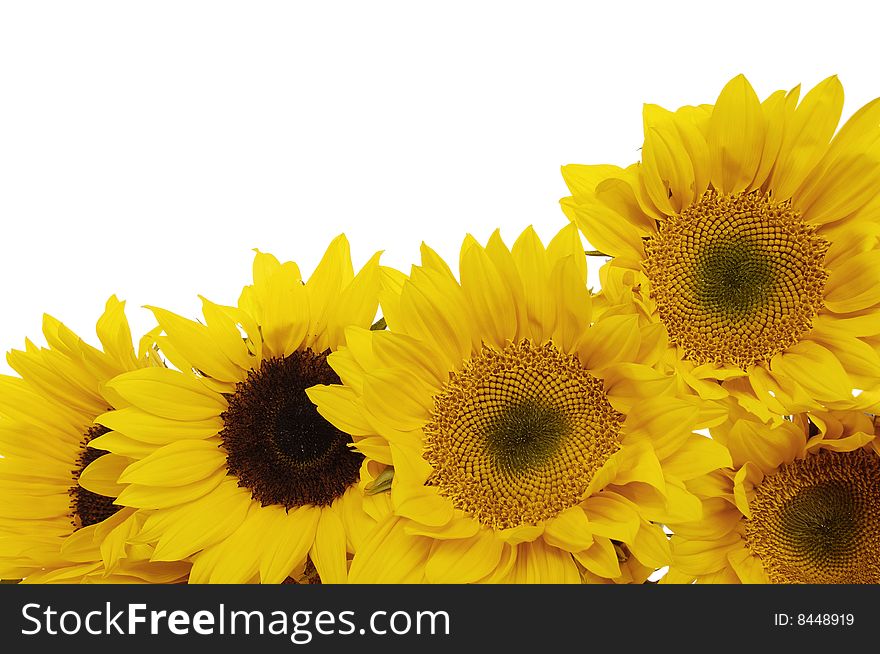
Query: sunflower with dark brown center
[
  {"x": 59, "y": 517},
  {"x": 242, "y": 474}
]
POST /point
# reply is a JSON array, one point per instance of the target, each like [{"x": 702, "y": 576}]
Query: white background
[{"x": 146, "y": 148}]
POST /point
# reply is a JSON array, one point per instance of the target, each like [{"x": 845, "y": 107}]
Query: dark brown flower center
[
  {"x": 277, "y": 443},
  {"x": 88, "y": 508}
]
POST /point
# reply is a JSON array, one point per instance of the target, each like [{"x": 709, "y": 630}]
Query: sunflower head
[
  {"x": 234, "y": 468},
  {"x": 532, "y": 439},
  {"x": 750, "y": 229},
  {"x": 801, "y": 504},
  {"x": 59, "y": 516}
]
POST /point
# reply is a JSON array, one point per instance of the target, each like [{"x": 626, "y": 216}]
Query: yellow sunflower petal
[
  {"x": 651, "y": 546},
  {"x": 157, "y": 430},
  {"x": 703, "y": 557},
  {"x": 697, "y": 456},
  {"x": 491, "y": 300},
  {"x": 806, "y": 136},
  {"x": 574, "y": 304},
  {"x": 115, "y": 542},
  {"x": 390, "y": 555},
  {"x": 234, "y": 560},
  {"x": 582, "y": 179},
  {"x": 570, "y": 530},
  {"x": 668, "y": 170},
  {"x": 521, "y": 534},
  {"x": 176, "y": 464},
  {"x": 102, "y": 475},
  {"x": 816, "y": 369},
  {"x": 390, "y": 348},
  {"x": 457, "y": 528},
  {"x": 605, "y": 229},
  {"x": 503, "y": 260},
  {"x": 847, "y": 444},
  {"x": 287, "y": 544},
  {"x": 357, "y": 522},
  {"x": 397, "y": 398},
  {"x": 766, "y": 447},
  {"x": 600, "y": 559},
  {"x": 286, "y": 314},
  {"x": 744, "y": 482},
  {"x": 736, "y": 136},
  {"x": 264, "y": 266},
  {"x": 748, "y": 568},
  {"x": 162, "y": 497},
  {"x": 638, "y": 462},
  {"x": 225, "y": 333},
  {"x": 194, "y": 341},
  {"x": 777, "y": 111},
  {"x": 422, "y": 504},
  {"x": 610, "y": 340},
  {"x": 538, "y": 563},
  {"x": 464, "y": 561},
  {"x": 619, "y": 193},
  {"x": 332, "y": 274},
  {"x": 852, "y": 285},
  {"x": 168, "y": 394},
  {"x": 186, "y": 529},
  {"x": 418, "y": 317},
  {"x": 530, "y": 258},
  {"x": 720, "y": 516},
  {"x": 122, "y": 445},
  {"x": 612, "y": 516},
  {"x": 355, "y": 305},
  {"x": 115, "y": 335},
  {"x": 339, "y": 405},
  {"x": 328, "y": 552},
  {"x": 567, "y": 243},
  {"x": 856, "y": 356}
]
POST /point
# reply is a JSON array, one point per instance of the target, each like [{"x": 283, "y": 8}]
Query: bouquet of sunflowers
[{"x": 707, "y": 415}]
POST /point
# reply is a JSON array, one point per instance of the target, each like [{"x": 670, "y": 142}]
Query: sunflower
[
  {"x": 235, "y": 469},
  {"x": 531, "y": 441},
  {"x": 58, "y": 518},
  {"x": 750, "y": 231},
  {"x": 800, "y": 506}
]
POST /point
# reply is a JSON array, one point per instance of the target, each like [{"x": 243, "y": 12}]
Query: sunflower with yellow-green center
[
  {"x": 750, "y": 231},
  {"x": 59, "y": 520},
  {"x": 531, "y": 440},
  {"x": 801, "y": 504},
  {"x": 235, "y": 470}
]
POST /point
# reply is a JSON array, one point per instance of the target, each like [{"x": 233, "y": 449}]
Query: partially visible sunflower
[
  {"x": 58, "y": 518},
  {"x": 750, "y": 231},
  {"x": 801, "y": 504},
  {"x": 530, "y": 440},
  {"x": 235, "y": 468}
]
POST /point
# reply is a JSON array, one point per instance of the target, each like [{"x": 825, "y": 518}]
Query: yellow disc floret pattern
[
  {"x": 817, "y": 520},
  {"x": 737, "y": 278},
  {"x": 518, "y": 433}
]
